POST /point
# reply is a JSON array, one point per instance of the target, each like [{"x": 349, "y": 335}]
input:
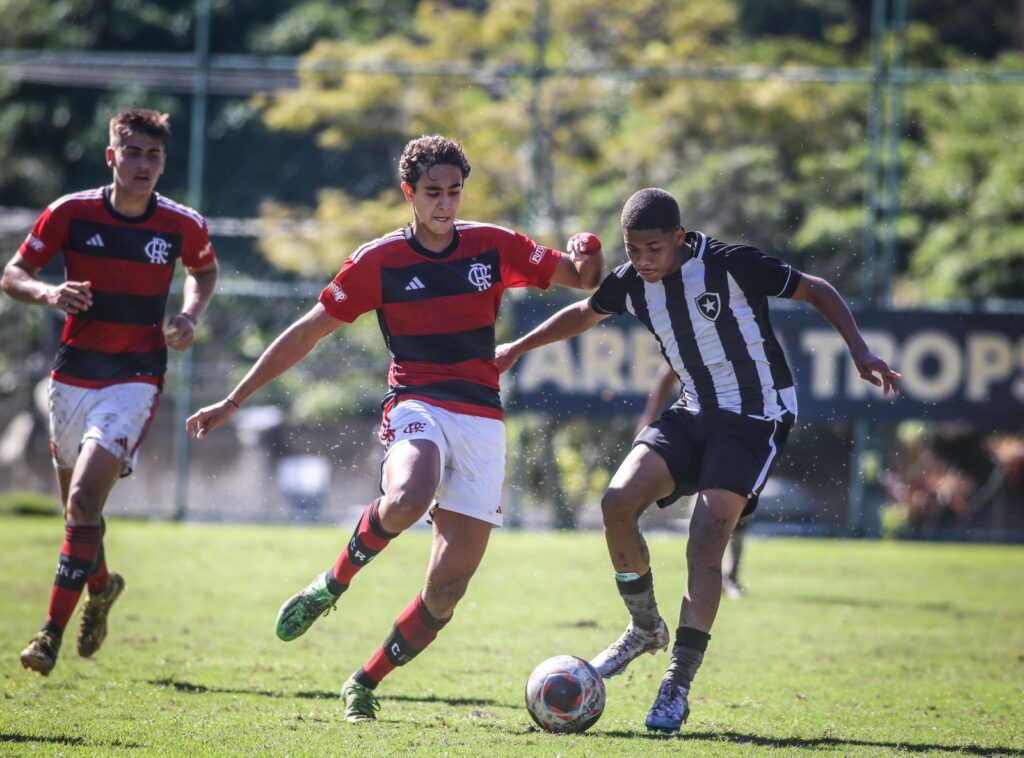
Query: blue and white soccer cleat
[{"x": 671, "y": 708}]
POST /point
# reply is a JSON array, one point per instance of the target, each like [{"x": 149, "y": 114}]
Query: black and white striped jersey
[{"x": 711, "y": 321}]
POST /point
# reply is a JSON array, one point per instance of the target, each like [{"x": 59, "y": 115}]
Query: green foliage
[
  {"x": 191, "y": 664},
  {"x": 28, "y": 503}
]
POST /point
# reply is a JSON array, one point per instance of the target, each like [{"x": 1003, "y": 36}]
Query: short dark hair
[
  {"x": 651, "y": 208},
  {"x": 424, "y": 152},
  {"x": 140, "y": 121}
]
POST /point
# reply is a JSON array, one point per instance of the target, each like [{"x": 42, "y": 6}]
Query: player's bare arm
[
  {"x": 581, "y": 266},
  {"x": 656, "y": 401},
  {"x": 823, "y": 296},
  {"x": 572, "y": 320},
  {"x": 199, "y": 287},
  {"x": 291, "y": 346},
  {"x": 20, "y": 281}
]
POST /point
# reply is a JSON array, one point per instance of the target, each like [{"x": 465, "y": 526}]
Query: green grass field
[{"x": 841, "y": 648}]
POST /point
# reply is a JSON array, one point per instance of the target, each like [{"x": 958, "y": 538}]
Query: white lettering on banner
[
  {"x": 601, "y": 354},
  {"x": 989, "y": 359},
  {"x": 1017, "y": 388},
  {"x": 968, "y": 367},
  {"x": 552, "y": 364},
  {"x": 944, "y": 352},
  {"x": 825, "y": 349},
  {"x": 647, "y": 362}
]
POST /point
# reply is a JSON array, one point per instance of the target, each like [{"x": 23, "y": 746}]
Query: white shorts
[
  {"x": 117, "y": 417},
  {"x": 472, "y": 455}
]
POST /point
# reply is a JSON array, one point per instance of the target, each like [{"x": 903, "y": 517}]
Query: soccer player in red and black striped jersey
[
  {"x": 120, "y": 244},
  {"x": 436, "y": 286}
]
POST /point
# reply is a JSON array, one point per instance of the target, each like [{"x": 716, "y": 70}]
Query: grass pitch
[{"x": 841, "y": 648}]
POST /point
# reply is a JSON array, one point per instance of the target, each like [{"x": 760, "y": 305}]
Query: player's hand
[
  {"x": 205, "y": 420},
  {"x": 71, "y": 297},
  {"x": 869, "y": 364},
  {"x": 505, "y": 357},
  {"x": 583, "y": 245},
  {"x": 180, "y": 331}
]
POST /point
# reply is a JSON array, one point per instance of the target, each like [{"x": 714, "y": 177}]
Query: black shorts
[{"x": 715, "y": 449}]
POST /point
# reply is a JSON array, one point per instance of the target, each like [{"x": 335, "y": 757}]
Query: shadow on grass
[
  {"x": 14, "y": 738},
  {"x": 863, "y": 602},
  {"x": 202, "y": 689},
  {"x": 754, "y": 740}
]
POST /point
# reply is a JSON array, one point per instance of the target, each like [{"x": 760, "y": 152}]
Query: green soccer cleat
[
  {"x": 93, "y": 628},
  {"x": 302, "y": 609},
  {"x": 360, "y": 702}
]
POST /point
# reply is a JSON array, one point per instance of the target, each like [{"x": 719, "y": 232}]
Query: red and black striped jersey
[
  {"x": 129, "y": 263},
  {"x": 437, "y": 310}
]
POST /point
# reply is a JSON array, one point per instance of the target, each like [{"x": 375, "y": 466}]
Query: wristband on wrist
[{"x": 232, "y": 402}]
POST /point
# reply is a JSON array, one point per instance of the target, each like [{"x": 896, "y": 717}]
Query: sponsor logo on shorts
[
  {"x": 123, "y": 442},
  {"x": 538, "y": 255},
  {"x": 415, "y": 427}
]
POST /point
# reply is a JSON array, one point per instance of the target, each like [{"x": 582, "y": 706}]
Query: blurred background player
[
  {"x": 120, "y": 244},
  {"x": 657, "y": 401},
  {"x": 436, "y": 286},
  {"x": 706, "y": 302}
]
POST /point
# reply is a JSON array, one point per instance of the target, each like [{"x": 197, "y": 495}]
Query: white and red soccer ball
[{"x": 565, "y": 694}]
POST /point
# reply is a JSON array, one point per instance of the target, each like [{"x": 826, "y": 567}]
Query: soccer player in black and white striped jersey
[{"x": 706, "y": 302}]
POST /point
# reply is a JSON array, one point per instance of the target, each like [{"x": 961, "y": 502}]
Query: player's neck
[
  {"x": 127, "y": 203},
  {"x": 435, "y": 243}
]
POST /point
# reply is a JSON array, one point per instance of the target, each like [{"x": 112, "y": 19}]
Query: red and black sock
[
  {"x": 77, "y": 556},
  {"x": 414, "y": 629},
  {"x": 99, "y": 575},
  {"x": 367, "y": 541}
]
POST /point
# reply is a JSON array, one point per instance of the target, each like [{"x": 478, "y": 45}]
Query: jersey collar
[
  {"x": 150, "y": 209},
  {"x": 415, "y": 244}
]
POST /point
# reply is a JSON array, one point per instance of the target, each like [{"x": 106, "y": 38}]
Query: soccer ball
[{"x": 565, "y": 694}]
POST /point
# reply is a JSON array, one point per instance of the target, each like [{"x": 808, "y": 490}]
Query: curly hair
[
  {"x": 140, "y": 121},
  {"x": 424, "y": 152},
  {"x": 651, "y": 208}
]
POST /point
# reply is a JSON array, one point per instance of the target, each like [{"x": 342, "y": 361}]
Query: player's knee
[
  {"x": 83, "y": 506},
  {"x": 406, "y": 505},
  {"x": 619, "y": 509}
]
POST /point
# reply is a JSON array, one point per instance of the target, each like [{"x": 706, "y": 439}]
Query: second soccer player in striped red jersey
[
  {"x": 120, "y": 244},
  {"x": 436, "y": 286}
]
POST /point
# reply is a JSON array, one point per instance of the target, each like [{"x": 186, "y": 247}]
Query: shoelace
[{"x": 364, "y": 702}]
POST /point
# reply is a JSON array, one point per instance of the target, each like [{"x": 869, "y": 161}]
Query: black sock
[{"x": 687, "y": 655}]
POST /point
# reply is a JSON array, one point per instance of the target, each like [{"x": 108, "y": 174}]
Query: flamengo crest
[
  {"x": 480, "y": 275},
  {"x": 157, "y": 250},
  {"x": 709, "y": 305}
]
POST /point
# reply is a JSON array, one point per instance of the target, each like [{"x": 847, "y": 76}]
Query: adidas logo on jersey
[
  {"x": 415, "y": 284},
  {"x": 95, "y": 241}
]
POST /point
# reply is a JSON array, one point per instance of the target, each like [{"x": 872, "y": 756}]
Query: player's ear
[
  {"x": 681, "y": 234},
  {"x": 408, "y": 190},
  {"x": 110, "y": 156}
]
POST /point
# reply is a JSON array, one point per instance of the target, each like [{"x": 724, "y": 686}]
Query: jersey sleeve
[
  {"x": 610, "y": 298},
  {"x": 198, "y": 250},
  {"x": 47, "y": 238},
  {"x": 354, "y": 291},
  {"x": 524, "y": 263},
  {"x": 761, "y": 274}
]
